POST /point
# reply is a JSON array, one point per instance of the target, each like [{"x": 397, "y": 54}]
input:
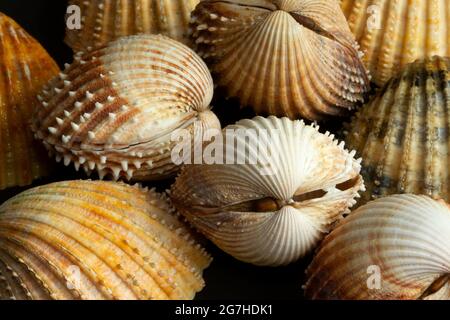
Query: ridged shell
[
  {"x": 96, "y": 240},
  {"x": 24, "y": 68},
  {"x": 393, "y": 33},
  {"x": 106, "y": 20},
  {"x": 282, "y": 57},
  {"x": 270, "y": 217},
  {"x": 406, "y": 238},
  {"x": 403, "y": 133},
  {"x": 114, "y": 109}
]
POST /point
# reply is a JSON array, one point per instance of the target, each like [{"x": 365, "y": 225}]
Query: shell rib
[
  {"x": 273, "y": 210},
  {"x": 393, "y": 33},
  {"x": 402, "y": 240},
  {"x": 284, "y": 58},
  {"x": 114, "y": 109},
  {"x": 96, "y": 240},
  {"x": 402, "y": 134},
  {"x": 106, "y": 20},
  {"x": 24, "y": 68}
]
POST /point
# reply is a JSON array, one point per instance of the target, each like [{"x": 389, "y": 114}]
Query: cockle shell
[
  {"x": 402, "y": 134},
  {"x": 274, "y": 209},
  {"x": 392, "y": 248},
  {"x": 114, "y": 109},
  {"x": 282, "y": 57},
  {"x": 106, "y": 20},
  {"x": 96, "y": 240},
  {"x": 24, "y": 68},
  {"x": 393, "y": 33}
]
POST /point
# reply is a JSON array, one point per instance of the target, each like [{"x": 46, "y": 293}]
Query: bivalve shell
[
  {"x": 24, "y": 69},
  {"x": 94, "y": 241},
  {"x": 279, "y": 189},
  {"x": 395, "y": 248},
  {"x": 114, "y": 109},
  {"x": 103, "y": 21},
  {"x": 282, "y": 57},
  {"x": 402, "y": 134}
]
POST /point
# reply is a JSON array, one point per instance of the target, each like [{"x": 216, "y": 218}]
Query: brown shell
[
  {"x": 24, "y": 68},
  {"x": 96, "y": 240}
]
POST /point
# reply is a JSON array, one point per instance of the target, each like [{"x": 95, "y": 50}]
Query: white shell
[
  {"x": 273, "y": 217},
  {"x": 404, "y": 237}
]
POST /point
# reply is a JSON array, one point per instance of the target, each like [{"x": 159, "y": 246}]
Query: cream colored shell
[
  {"x": 276, "y": 209},
  {"x": 114, "y": 109},
  {"x": 103, "y": 21},
  {"x": 96, "y": 240},
  {"x": 392, "y": 248}
]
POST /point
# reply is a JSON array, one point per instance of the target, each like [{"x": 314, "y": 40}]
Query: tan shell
[
  {"x": 96, "y": 240},
  {"x": 282, "y": 57},
  {"x": 393, "y": 33},
  {"x": 24, "y": 68},
  {"x": 402, "y": 134},
  {"x": 114, "y": 109},
  {"x": 392, "y": 248},
  {"x": 106, "y": 20},
  {"x": 274, "y": 210}
]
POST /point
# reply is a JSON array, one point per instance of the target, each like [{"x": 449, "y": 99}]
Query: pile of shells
[{"x": 96, "y": 240}]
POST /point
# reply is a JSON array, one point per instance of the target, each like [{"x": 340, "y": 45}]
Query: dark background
[{"x": 226, "y": 278}]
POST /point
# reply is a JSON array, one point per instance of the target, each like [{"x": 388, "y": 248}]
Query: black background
[{"x": 226, "y": 278}]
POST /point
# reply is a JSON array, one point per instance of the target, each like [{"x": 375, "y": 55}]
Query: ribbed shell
[
  {"x": 114, "y": 109},
  {"x": 407, "y": 31},
  {"x": 407, "y": 237},
  {"x": 313, "y": 181},
  {"x": 96, "y": 240},
  {"x": 403, "y": 133},
  {"x": 24, "y": 68},
  {"x": 282, "y": 57},
  {"x": 106, "y": 20}
]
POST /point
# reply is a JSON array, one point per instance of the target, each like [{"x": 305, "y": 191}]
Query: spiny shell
[
  {"x": 274, "y": 209},
  {"x": 401, "y": 242},
  {"x": 393, "y": 33},
  {"x": 24, "y": 68},
  {"x": 402, "y": 134},
  {"x": 114, "y": 109},
  {"x": 282, "y": 57},
  {"x": 96, "y": 240},
  {"x": 106, "y": 20}
]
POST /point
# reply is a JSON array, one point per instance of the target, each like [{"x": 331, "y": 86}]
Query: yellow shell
[
  {"x": 403, "y": 134},
  {"x": 390, "y": 249},
  {"x": 393, "y": 33},
  {"x": 107, "y": 20},
  {"x": 96, "y": 240},
  {"x": 114, "y": 109},
  {"x": 24, "y": 68},
  {"x": 282, "y": 57}
]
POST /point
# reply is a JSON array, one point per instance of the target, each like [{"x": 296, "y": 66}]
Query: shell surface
[
  {"x": 402, "y": 134},
  {"x": 24, "y": 68},
  {"x": 96, "y": 240},
  {"x": 282, "y": 57},
  {"x": 114, "y": 109},
  {"x": 393, "y": 33},
  {"x": 393, "y": 248},
  {"x": 274, "y": 205},
  {"x": 106, "y": 20}
]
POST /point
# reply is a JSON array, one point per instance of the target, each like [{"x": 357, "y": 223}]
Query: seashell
[
  {"x": 94, "y": 241},
  {"x": 107, "y": 20},
  {"x": 402, "y": 134},
  {"x": 393, "y": 34},
  {"x": 24, "y": 68},
  {"x": 281, "y": 57},
  {"x": 114, "y": 109},
  {"x": 274, "y": 205},
  {"x": 394, "y": 248}
]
